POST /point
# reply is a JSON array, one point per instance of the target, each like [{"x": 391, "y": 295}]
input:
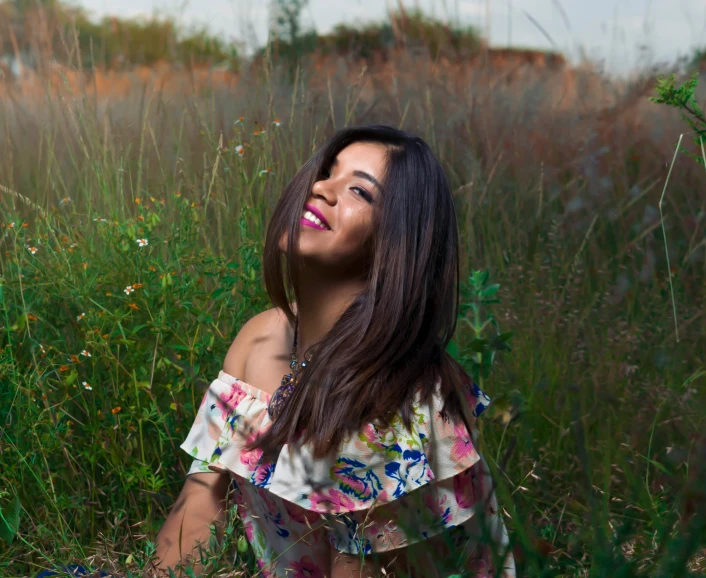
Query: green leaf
[
  {"x": 218, "y": 293},
  {"x": 204, "y": 318},
  {"x": 69, "y": 379},
  {"x": 489, "y": 301},
  {"x": 478, "y": 345},
  {"x": 490, "y": 290},
  {"x": 10, "y": 521},
  {"x": 180, "y": 347},
  {"x": 242, "y": 545},
  {"x": 452, "y": 349}
]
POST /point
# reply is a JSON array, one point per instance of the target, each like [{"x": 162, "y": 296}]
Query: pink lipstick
[
  {"x": 318, "y": 213},
  {"x": 308, "y": 223}
]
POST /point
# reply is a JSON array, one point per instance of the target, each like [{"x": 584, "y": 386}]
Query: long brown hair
[{"x": 391, "y": 341}]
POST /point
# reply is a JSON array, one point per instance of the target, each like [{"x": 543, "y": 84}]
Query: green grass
[{"x": 558, "y": 204}]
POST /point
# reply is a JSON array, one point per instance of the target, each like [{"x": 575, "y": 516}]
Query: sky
[{"x": 621, "y": 36}]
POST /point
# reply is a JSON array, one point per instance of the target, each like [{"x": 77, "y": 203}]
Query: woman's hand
[{"x": 200, "y": 504}]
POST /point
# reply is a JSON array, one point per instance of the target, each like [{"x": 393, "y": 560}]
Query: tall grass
[{"x": 131, "y": 234}]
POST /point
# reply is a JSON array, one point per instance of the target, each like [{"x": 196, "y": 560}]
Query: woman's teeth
[{"x": 314, "y": 219}]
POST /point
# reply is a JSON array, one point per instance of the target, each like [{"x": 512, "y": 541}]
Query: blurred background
[{"x": 619, "y": 38}]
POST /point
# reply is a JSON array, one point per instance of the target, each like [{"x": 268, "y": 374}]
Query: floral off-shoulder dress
[{"x": 384, "y": 489}]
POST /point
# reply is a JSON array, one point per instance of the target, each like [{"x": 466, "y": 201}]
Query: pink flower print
[
  {"x": 464, "y": 488},
  {"x": 228, "y": 401},
  {"x": 264, "y": 571},
  {"x": 368, "y": 433},
  {"x": 298, "y": 514},
  {"x": 262, "y": 474},
  {"x": 307, "y": 568},
  {"x": 368, "y": 439},
  {"x": 247, "y": 526},
  {"x": 332, "y": 501},
  {"x": 438, "y": 504},
  {"x": 462, "y": 449},
  {"x": 251, "y": 458}
]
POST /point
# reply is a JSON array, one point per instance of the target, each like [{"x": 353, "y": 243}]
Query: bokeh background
[{"x": 143, "y": 146}]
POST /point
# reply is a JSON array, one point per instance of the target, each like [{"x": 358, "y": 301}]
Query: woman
[{"x": 339, "y": 420}]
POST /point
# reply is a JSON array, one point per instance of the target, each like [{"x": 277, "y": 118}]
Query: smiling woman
[
  {"x": 342, "y": 203},
  {"x": 343, "y": 457}
]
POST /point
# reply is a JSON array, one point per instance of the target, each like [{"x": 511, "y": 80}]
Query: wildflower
[
  {"x": 74, "y": 359},
  {"x": 25, "y": 224},
  {"x": 240, "y": 120},
  {"x": 240, "y": 150},
  {"x": 137, "y": 200},
  {"x": 255, "y": 133},
  {"x": 277, "y": 122},
  {"x": 177, "y": 194},
  {"x": 115, "y": 409},
  {"x": 32, "y": 250},
  {"x": 11, "y": 225},
  {"x": 265, "y": 171},
  {"x": 73, "y": 245},
  {"x": 142, "y": 242},
  {"x": 128, "y": 290},
  {"x": 137, "y": 286},
  {"x": 65, "y": 200},
  {"x": 133, "y": 306},
  {"x": 42, "y": 348},
  {"x": 80, "y": 317},
  {"x": 101, "y": 220},
  {"x": 86, "y": 386},
  {"x": 152, "y": 268},
  {"x": 31, "y": 317},
  {"x": 86, "y": 353},
  {"x": 63, "y": 368},
  {"x": 152, "y": 199}
]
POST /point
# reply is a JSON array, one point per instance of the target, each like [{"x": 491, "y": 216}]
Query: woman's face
[{"x": 341, "y": 204}]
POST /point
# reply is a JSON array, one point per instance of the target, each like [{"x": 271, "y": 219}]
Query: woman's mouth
[{"x": 311, "y": 220}]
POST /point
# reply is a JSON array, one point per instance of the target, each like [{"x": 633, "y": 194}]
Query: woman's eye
[{"x": 363, "y": 193}]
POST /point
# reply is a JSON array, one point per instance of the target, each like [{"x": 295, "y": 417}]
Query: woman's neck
[{"x": 322, "y": 300}]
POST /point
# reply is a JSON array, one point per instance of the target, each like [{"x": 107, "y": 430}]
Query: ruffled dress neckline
[{"x": 373, "y": 465}]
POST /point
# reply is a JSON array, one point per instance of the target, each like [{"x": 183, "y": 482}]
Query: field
[{"x": 131, "y": 232}]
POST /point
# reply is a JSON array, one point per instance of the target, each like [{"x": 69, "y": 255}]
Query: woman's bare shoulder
[{"x": 265, "y": 326}]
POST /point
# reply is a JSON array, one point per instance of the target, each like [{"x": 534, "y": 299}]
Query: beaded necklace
[{"x": 289, "y": 380}]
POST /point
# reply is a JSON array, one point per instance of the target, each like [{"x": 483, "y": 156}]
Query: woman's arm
[{"x": 200, "y": 504}]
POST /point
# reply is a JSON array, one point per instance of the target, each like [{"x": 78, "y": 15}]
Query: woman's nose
[{"x": 324, "y": 190}]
